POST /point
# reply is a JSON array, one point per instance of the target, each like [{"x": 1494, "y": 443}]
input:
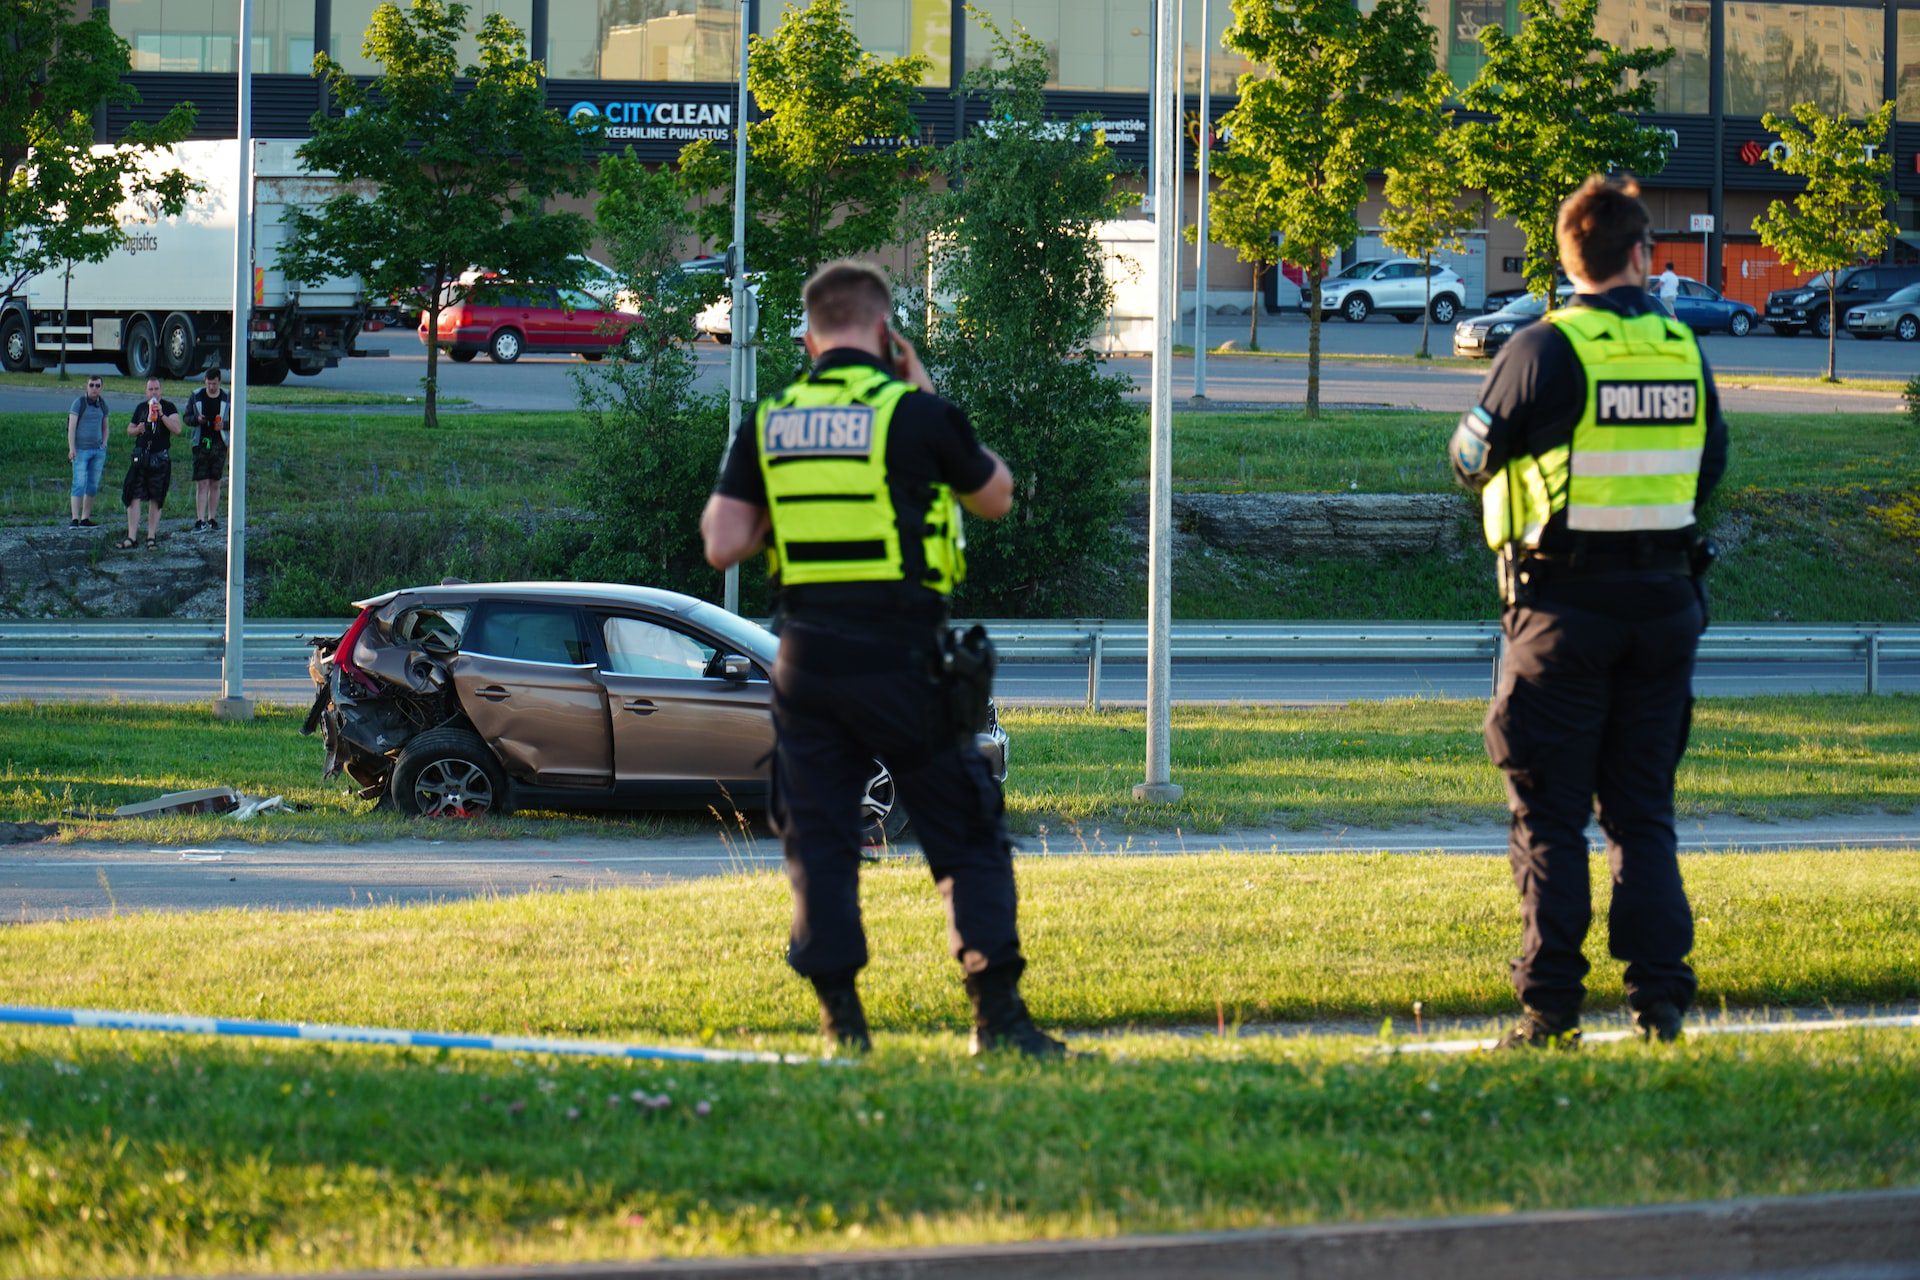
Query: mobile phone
[{"x": 896, "y": 358}]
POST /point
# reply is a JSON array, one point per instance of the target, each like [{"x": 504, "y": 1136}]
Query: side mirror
[{"x": 736, "y": 668}]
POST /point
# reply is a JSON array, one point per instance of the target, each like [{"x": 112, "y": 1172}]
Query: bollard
[
  {"x": 1096, "y": 642},
  {"x": 1499, "y": 656},
  {"x": 1873, "y": 662}
]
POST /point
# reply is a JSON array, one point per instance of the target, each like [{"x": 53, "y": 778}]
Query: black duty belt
[{"x": 1608, "y": 564}]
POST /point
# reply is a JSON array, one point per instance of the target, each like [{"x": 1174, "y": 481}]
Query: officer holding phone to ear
[{"x": 854, "y": 479}]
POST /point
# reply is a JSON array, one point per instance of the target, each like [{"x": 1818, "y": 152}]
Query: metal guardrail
[{"x": 1092, "y": 641}]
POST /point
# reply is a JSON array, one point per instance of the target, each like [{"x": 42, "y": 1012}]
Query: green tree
[
  {"x": 58, "y": 198},
  {"x": 1242, "y": 218},
  {"x": 439, "y": 175},
  {"x": 1017, "y": 258},
  {"x": 652, "y": 443},
  {"x": 1841, "y": 216},
  {"x": 1423, "y": 213},
  {"x": 1558, "y": 112},
  {"x": 1322, "y": 113},
  {"x": 830, "y": 163}
]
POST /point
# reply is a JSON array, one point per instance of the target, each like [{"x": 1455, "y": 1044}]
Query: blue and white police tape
[
  {"x": 190, "y": 1024},
  {"x": 1786, "y": 1026}
]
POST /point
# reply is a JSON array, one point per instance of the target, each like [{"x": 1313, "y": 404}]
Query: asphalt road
[
  {"x": 537, "y": 383},
  {"x": 1017, "y": 682},
  {"x": 48, "y": 881}
]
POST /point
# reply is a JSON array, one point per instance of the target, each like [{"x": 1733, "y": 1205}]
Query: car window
[
  {"x": 638, "y": 647},
  {"x": 429, "y": 626},
  {"x": 581, "y": 300},
  {"x": 1359, "y": 270},
  {"x": 528, "y": 633},
  {"x": 1690, "y": 289},
  {"x": 1528, "y": 305},
  {"x": 1859, "y": 282}
]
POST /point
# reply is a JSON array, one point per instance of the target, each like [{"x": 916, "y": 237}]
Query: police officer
[
  {"x": 856, "y": 474},
  {"x": 1596, "y": 439}
]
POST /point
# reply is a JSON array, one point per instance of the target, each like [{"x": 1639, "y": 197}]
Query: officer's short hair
[
  {"x": 1599, "y": 225},
  {"x": 845, "y": 295}
]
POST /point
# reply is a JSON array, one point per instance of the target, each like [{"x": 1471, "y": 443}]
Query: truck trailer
[{"x": 162, "y": 304}]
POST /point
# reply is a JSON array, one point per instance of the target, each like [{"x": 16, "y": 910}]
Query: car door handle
[
  {"x": 639, "y": 706},
  {"x": 493, "y": 693}
]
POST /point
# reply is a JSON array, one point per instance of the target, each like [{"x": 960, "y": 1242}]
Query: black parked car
[
  {"x": 1484, "y": 335},
  {"x": 1806, "y": 306}
]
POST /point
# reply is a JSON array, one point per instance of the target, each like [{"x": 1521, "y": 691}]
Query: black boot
[
  {"x": 1001, "y": 1020},
  {"x": 1538, "y": 1029},
  {"x": 842, "y": 1019},
  {"x": 1658, "y": 1021}
]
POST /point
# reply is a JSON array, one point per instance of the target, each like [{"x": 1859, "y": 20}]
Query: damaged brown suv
[{"x": 478, "y": 698}]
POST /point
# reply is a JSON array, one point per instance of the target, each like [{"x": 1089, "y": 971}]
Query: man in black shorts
[
  {"x": 154, "y": 424},
  {"x": 207, "y": 414}
]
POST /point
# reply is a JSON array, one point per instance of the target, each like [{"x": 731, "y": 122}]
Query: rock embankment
[
  {"x": 1334, "y": 526},
  {"x": 60, "y": 572}
]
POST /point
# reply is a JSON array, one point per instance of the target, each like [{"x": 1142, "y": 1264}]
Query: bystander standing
[
  {"x": 87, "y": 451},
  {"x": 153, "y": 425}
]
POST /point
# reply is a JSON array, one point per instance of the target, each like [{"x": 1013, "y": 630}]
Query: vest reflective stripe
[
  {"x": 1634, "y": 462},
  {"x": 825, "y": 468}
]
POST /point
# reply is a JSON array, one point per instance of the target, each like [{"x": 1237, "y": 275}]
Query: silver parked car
[
  {"x": 1395, "y": 287},
  {"x": 1899, "y": 315}
]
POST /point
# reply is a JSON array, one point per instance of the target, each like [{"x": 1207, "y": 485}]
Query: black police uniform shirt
[
  {"x": 1533, "y": 398},
  {"x": 929, "y": 442},
  {"x": 156, "y": 439},
  {"x": 202, "y": 409}
]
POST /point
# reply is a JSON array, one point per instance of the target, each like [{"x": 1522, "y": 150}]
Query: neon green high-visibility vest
[
  {"x": 823, "y": 453},
  {"x": 1634, "y": 462}
]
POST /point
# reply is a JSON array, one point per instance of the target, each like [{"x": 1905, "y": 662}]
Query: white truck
[{"x": 163, "y": 302}]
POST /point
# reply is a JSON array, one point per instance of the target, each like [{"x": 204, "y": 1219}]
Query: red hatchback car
[{"x": 506, "y": 320}]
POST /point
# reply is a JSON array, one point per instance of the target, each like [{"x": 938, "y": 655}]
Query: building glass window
[
  {"x": 674, "y": 40},
  {"x": 352, "y": 17},
  {"x": 199, "y": 35},
  {"x": 1685, "y": 26},
  {"x": 1780, "y": 54},
  {"x": 893, "y": 29},
  {"x": 1458, "y": 24},
  {"x": 1092, "y": 45},
  {"x": 1909, "y": 66}
]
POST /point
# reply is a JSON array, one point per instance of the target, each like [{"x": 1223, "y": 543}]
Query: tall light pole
[
  {"x": 1205, "y": 204},
  {"x": 741, "y": 390},
  {"x": 1159, "y": 787},
  {"x": 232, "y": 703}
]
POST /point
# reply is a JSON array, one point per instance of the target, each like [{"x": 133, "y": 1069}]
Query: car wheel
[
  {"x": 1356, "y": 308},
  {"x": 884, "y": 817},
  {"x": 1907, "y": 329},
  {"x": 1740, "y": 325},
  {"x": 462, "y": 355},
  {"x": 142, "y": 351},
  {"x": 505, "y": 347},
  {"x": 1445, "y": 308},
  {"x": 13, "y": 343},
  {"x": 1823, "y": 326},
  {"x": 447, "y": 773},
  {"x": 177, "y": 343}
]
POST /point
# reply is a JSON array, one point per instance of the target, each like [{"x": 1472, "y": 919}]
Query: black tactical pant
[
  {"x": 838, "y": 702},
  {"x": 1592, "y": 715}
]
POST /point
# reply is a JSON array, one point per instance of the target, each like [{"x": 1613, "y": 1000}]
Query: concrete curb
[{"x": 1806, "y": 1235}]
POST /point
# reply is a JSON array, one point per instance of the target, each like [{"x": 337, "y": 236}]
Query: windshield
[
  {"x": 1817, "y": 282},
  {"x": 1526, "y": 305},
  {"x": 1904, "y": 296},
  {"x": 1361, "y": 270}
]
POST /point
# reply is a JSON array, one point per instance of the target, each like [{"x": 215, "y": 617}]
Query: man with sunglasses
[
  {"x": 87, "y": 451},
  {"x": 1596, "y": 440}
]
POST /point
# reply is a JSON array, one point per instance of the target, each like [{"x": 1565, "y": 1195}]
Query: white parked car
[{"x": 1395, "y": 287}]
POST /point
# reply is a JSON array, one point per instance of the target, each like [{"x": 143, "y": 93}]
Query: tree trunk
[
  {"x": 1253, "y": 311},
  {"x": 1426, "y": 311},
  {"x": 1833, "y": 324},
  {"x": 431, "y": 383},
  {"x": 1315, "y": 275}
]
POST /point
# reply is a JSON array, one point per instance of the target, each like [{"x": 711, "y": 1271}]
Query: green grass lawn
[
  {"x": 123, "y": 1154},
  {"x": 1372, "y": 764}
]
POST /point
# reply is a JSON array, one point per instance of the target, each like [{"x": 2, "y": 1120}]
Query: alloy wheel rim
[
  {"x": 878, "y": 801},
  {"x": 453, "y": 789}
]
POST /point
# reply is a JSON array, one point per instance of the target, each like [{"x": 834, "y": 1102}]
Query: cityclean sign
[{"x": 664, "y": 120}]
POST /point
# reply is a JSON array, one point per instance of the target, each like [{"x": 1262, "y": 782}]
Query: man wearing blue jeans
[{"x": 87, "y": 451}]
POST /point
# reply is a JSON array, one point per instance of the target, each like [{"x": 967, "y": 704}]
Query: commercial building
[{"x": 660, "y": 73}]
